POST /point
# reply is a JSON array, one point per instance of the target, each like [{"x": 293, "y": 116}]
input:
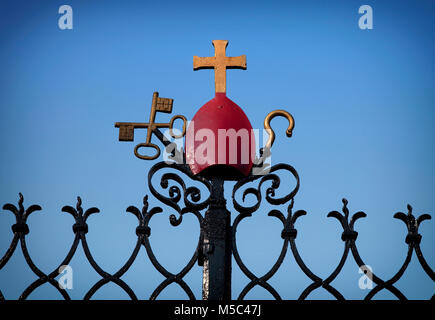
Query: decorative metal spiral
[{"x": 190, "y": 200}]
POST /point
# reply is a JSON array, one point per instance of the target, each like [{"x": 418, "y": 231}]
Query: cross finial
[{"x": 220, "y": 62}]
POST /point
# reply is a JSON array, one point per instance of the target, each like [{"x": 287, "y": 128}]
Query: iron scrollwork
[{"x": 184, "y": 199}]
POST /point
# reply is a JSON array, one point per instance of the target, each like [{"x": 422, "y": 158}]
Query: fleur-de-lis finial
[
  {"x": 21, "y": 215},
  {"x": 349, "y": 234},
  {"x": 143, "y": 216},
  {"x": 80, "y": 218},
  {"x": 412, "y": 225}
]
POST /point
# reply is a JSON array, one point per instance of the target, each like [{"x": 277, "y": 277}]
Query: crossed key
[{"x": 126, "y": 129}]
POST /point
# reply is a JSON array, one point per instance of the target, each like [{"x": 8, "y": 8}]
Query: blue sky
[{"x": 363, "y": 103}]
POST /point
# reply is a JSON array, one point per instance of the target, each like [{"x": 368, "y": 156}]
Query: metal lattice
[{"x": 190, "y": 200}]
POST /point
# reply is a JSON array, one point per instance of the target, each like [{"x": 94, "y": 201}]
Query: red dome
[{"x": 220, "y": 134}]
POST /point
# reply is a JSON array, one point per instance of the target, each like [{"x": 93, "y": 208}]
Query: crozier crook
[{"x": 269, "y": 117}]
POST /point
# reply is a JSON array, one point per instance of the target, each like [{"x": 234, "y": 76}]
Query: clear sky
[{"x": 363, "y": 102}]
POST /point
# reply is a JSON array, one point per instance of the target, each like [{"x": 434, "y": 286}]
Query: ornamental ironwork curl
[
  {"x": 349, "y": 236},
  {"x": 80, "y": 228},
  {"x": 143, "y": 232},
  {"x": 186, "y": 199},
  {"x": 288, "y": 232}
]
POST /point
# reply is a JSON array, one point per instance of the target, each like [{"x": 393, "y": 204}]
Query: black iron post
[{"x": 216, "y": 254}]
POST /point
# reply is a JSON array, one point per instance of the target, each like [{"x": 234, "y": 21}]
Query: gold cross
[
  {"x": 126, "y": 129},
  {"x": 220, "y": 62}
]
